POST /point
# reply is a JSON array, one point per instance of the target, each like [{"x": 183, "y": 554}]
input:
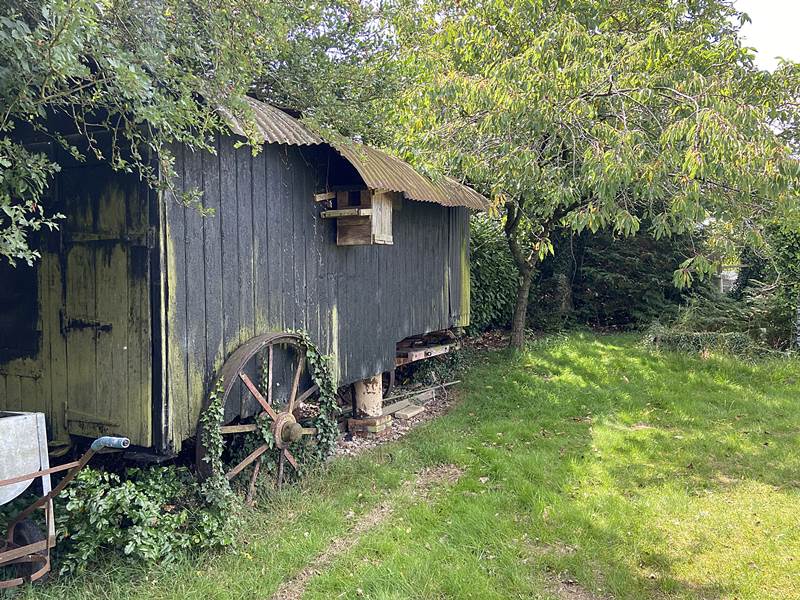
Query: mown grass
[{"x": 588, "y": 459}]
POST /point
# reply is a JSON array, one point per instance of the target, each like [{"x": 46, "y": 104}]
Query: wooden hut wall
[{"x": 266, "y": 261}]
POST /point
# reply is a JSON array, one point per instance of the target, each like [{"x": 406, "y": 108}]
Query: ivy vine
[
  {"x": 321, "y": 372},
  {"x": 216, "y": 489}
]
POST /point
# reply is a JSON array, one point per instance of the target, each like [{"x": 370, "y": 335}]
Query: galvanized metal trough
[{"x": 23, "y": 459}]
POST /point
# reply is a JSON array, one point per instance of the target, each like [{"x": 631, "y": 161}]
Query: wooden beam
[
  {"x": 415, "y": 354},
  {"x": 394, "y": 407},
  {"x": 324, "y": 196},
  {"x": 346, "y": 212}
]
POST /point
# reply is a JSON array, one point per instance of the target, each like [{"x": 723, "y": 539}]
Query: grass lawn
[{"x": 589, "y": 468}]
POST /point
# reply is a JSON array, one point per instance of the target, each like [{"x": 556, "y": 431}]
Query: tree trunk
[
  {"x": 525, "y": 278},
  {"x": 525, "y": 266}
]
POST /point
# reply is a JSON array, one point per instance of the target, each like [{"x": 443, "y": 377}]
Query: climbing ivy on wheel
[{"x": 289, "y": 430}]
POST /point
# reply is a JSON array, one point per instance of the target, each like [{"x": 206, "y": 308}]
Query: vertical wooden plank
[
  {"x": 246, "y": 240},
  {"x": 140, "y": 347},
  {"x": 276, "y": 206},
  {"x": 176, "y": 241},
  {"x": 301, "y": 204},
  {"x": 43, "y": 398},
  {"x": 259, "y": 201},
  {"x": 212, "y": 235},
  {"x": 57, "y": 365},
  {"x": 80, "y": 309},
  {"x": 229, "y": 273},
  {"x": 119, "y": 399},
  {"x": 327, "y": 302},
  {"x": 80, "y": 294},
  {"x": 288, "y": 247},
  {"x": 118, "y": 402},
  {"x": 450, "y": 280},
  {"x": 385, "y": 318},
  {"x": 401, "y": 241},
  {"x": 464, "y": 263},
  {"x": 194, "y": 292},
  {"x": 314, "y": 241}
]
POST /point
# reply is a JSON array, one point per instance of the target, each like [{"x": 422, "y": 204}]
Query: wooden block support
[
  {"x": 370, "y": 426},
  {"x": 394, "y": 407},
  {"x": 409, "y": 411}
]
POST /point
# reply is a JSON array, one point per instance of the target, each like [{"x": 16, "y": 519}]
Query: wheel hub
[{"x": 286, "y": 429}]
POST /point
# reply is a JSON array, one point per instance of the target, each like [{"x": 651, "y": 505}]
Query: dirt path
[
  {"x": 427, "y": 482},
  {"x": 567, "y": 589}
]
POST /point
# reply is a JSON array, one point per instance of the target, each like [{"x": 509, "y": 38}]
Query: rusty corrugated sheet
[
  {"x": 274, "y": 126},
  {"x": 378, "y": 169}
]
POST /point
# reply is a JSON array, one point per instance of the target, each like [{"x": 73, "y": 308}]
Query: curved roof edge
[{"x": 378, "y": 169}]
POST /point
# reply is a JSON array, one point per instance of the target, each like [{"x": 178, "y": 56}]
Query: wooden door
[{"x": 106, "y": 309}]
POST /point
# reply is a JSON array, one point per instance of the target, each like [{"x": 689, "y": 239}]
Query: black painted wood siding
[{"x": 267, "y": 262}]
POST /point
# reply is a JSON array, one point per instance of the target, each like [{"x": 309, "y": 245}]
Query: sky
[{"x": 775, "y": 30}]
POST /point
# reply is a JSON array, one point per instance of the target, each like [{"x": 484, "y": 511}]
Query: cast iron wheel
[
  {"x": 281, "y": 394},
  {"x": 388, "y": 382},
  {"x": 27, "y": 532}
]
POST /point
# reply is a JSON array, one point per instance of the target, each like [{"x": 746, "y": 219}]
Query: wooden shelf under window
[{"x": 363, "y": 217}]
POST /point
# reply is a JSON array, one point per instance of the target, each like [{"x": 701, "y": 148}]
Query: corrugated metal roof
[
  {"x": 274, "y": 126},
  {"x": 378, "y": 169}
]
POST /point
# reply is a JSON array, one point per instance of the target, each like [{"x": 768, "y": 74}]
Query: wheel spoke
[
  {"x": 281, "y": 460},
  {"x": 290, "y": 457},
  {"x": 269, "y": 377},
  {"x": 250, "y": 458},
  {"x": 251, "y": 490},
  {"x": 257, "y": 395},
  {"x": 308, "y": 393},
  {"x": 244, "y": 428},
  {"x": 296, "y": 382}
]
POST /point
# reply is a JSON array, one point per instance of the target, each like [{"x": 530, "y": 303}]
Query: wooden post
[{"x": 369, "y": 396}]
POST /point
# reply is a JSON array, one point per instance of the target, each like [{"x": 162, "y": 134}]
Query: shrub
[
  {"x": 146, "y": 514},
  {"x": 626, "y": 282},
  {"x": 601, "y": 280},
  {"x": 784, "y": 248},
  {"x": 736, "y": 343},
  {"x": 721, "y": 323},
  {"x": 592, "y": 279},
  {"x": 492, "y": 274}
]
